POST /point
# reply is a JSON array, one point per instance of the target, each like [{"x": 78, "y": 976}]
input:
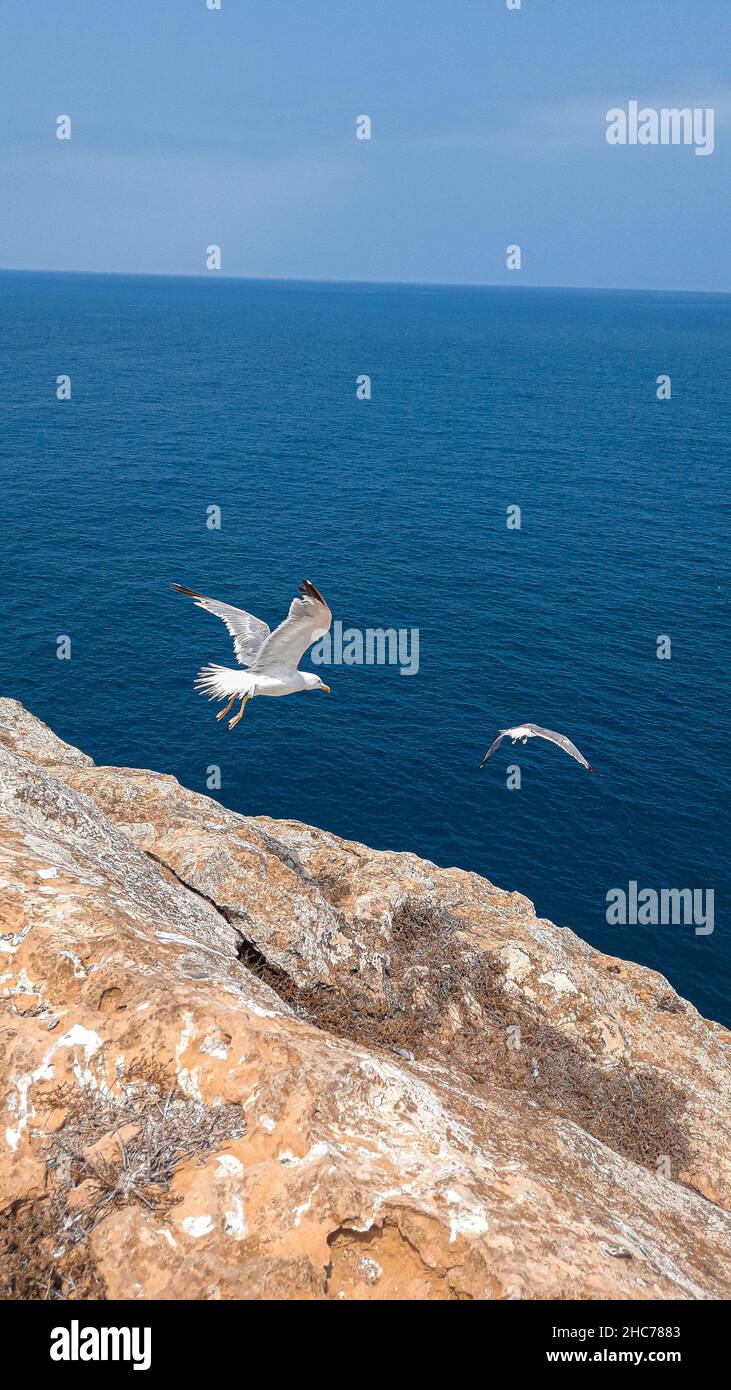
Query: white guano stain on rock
[
  {"x": 187, "y": 1076},
  {"x": 470, "y": 1219},
  {"x": 234, "y": 1223},
  {"x": 78, "y": 1036},
  {"x": 197, "y": 1226}
]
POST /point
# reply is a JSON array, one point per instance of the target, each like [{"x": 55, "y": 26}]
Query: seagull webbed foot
[{"x": 238, "y": 717}]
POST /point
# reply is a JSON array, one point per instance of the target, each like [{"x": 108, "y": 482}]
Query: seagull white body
[
  {"x": 522, "y": 732},
  {"x": 223, "y": 681},
  {"x": 269, "y": 660}
]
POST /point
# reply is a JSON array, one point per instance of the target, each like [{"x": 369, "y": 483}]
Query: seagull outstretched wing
[
  {"x": 492, "y": 748},
  {"x": 249, "y": 633},
  {"x": 308, "y": 619},
  {"x": 561, "y": 741}
]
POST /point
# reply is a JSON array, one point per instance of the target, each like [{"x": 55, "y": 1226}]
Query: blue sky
[{"x": 237, "y": 127}]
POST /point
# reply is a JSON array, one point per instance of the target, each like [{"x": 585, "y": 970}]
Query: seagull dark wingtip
[{"x": 308, "y": 590}]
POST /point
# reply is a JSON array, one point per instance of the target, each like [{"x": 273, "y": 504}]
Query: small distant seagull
[
  {"x": 522, "y": 732},
  {"x": 272, "y": 658}
]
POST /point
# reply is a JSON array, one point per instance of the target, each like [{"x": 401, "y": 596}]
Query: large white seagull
[{"x": 271, "y": 659}]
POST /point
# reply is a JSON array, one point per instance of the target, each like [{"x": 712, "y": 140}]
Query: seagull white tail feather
[{"x": 220, "y": 682}]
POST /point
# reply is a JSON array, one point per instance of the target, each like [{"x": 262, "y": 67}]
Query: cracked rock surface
[{"x": 242, "y": 1058}]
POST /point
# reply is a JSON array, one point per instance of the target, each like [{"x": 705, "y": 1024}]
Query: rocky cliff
[{"x": 243, "y": 1058}]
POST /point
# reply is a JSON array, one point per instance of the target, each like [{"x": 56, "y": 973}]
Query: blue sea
[{"x": 193, "y": 393}]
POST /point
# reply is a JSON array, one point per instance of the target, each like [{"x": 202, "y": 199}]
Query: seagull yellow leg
[
  {"x": 222, "y": 713},
  {"x": 233, "y": 722}
]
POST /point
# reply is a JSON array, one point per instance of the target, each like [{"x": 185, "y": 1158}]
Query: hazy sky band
[{"x": 238, "y": 127}]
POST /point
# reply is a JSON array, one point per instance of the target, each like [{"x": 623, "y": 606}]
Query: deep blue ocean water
[{"x": 189, "y": 393}]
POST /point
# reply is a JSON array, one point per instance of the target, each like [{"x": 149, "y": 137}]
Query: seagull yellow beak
[{"x": 326, "y": 688}]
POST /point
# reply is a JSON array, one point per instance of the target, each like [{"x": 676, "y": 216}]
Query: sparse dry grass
[{"x": 44, "y": 1251}]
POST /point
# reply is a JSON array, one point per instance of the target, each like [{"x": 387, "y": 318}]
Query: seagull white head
[{"x": 313, "y": 682}]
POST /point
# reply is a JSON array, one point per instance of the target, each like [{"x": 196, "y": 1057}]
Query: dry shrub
[
  {"x": 446, "y": 1002},
  {"x": 36, "y": 1262},
  {"x": 44, "y": 1250}
]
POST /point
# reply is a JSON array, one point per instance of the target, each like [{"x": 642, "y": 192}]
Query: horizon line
[{"x": 315, "y": 280}]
